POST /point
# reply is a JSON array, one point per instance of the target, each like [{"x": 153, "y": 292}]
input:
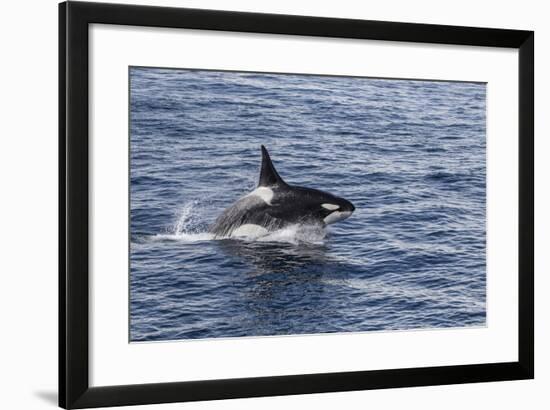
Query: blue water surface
[{"x": 409, "y": 154}]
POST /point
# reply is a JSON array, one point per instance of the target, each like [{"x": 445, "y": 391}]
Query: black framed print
[{"x": 256, "y": 204}]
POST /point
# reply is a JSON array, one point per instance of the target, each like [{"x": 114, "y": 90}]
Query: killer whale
[{"x": 275, "y": 204}]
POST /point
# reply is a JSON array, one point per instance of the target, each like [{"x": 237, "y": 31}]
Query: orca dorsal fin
[{"x": 268, "y": 173}]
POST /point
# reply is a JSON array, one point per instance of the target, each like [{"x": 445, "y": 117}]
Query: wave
[{"x": 190, "y": 227}]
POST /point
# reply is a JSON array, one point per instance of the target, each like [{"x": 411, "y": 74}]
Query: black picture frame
[{"x": 74, "y": 388}]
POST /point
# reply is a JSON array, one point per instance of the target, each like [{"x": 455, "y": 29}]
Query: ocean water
[{"x": 410, "y": 155}]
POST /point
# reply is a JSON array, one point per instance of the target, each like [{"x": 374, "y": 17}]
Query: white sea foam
[
  {"x": 298, "y": 233},
  {"x": 185, "y": 237}
]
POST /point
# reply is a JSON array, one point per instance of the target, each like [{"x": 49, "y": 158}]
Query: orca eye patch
[{"x": 330, "y": 207}]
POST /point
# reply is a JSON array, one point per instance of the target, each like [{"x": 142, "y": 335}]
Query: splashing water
[
  {"x": 296, "y": 234},
  {"x": 187, "y": 226},
  {"x": 185, "y": 220}
]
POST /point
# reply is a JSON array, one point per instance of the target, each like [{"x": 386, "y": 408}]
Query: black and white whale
[{"x": 274, "y": 204}]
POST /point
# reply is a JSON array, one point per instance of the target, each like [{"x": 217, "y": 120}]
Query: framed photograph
[{"x": 256, "y": 204}]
